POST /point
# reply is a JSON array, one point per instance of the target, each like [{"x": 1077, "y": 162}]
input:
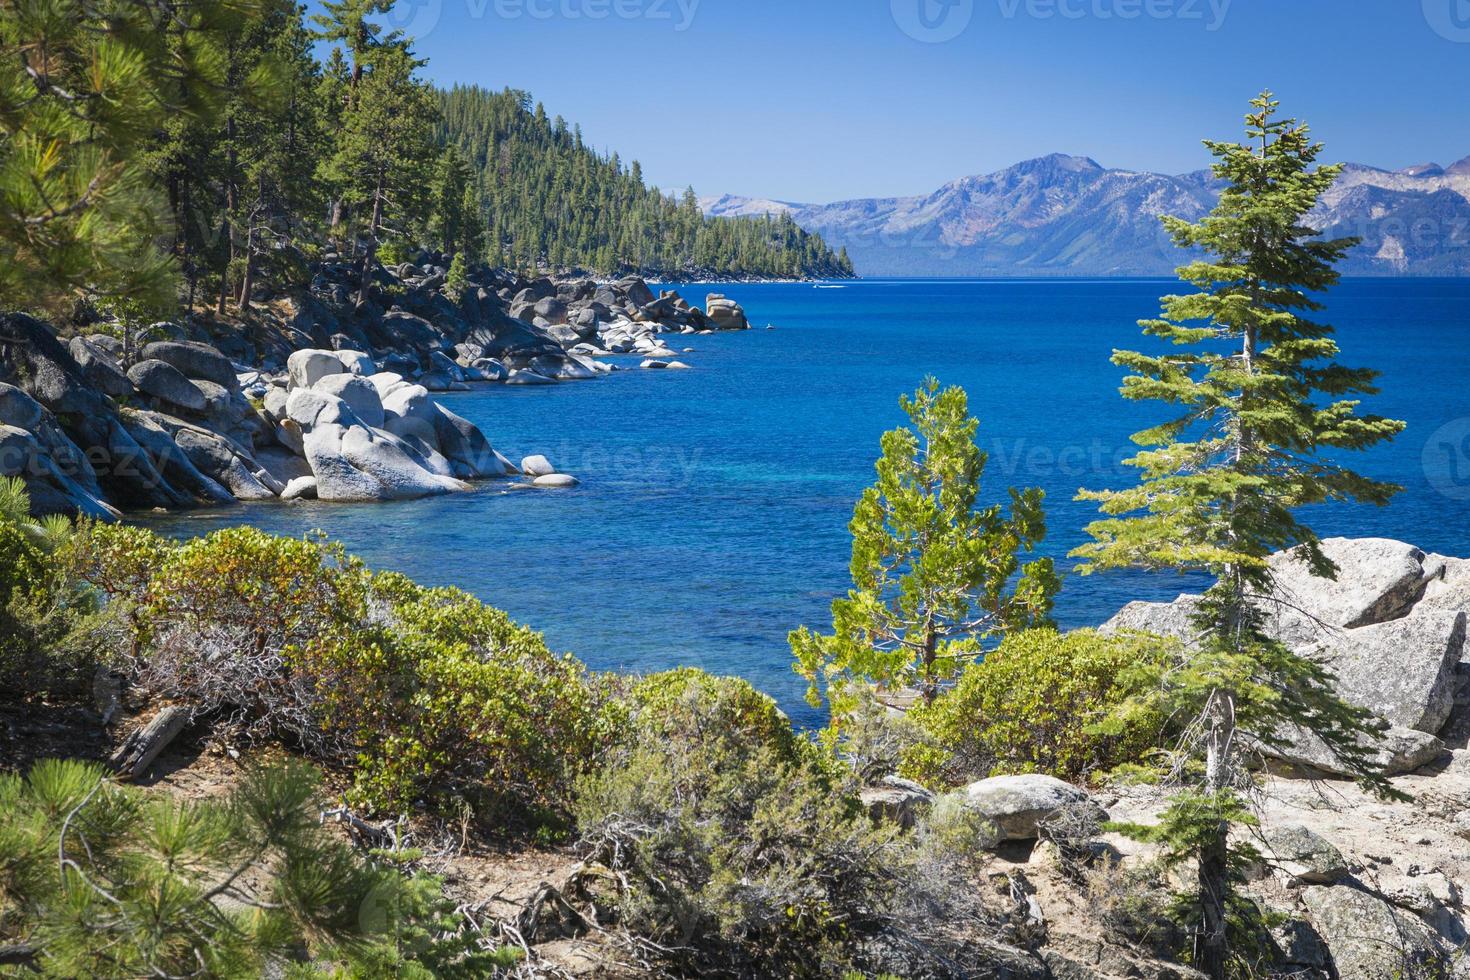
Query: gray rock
[
  {"x": 360, "y": 394},
  {"x": 552, "y": 310},
  {"x": 1395, "y": 752},
  {"x": 1171, "y": 619},
  {"x": 1367, "y": 937},
  {"x": 1304, "y": 856},
  {"x": 1020, "y": 805},
  {"x": 301, "y": 488},
  {"x": 524, "y": 377},
  {"x": 1402, "y": 670},
  {"x": 896, "y": 800},
  {"x": 464, "y": 445},
  {"x": 19, "y": 409},
  {"x": 307, "y": 367},
  {"x": 163, "y": 381},
  {"x": 356, "y": 362},
  {"x": 556, "y": 481},
  {"x": 99, "y": 369},
  {"x": 199, "y": 361},
  {"x": 221, "y": 460},
  {"x": 652, "y": 365},
  {"x": 1377, "y": 580}
]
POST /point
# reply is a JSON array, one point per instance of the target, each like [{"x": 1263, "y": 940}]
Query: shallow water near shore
[{"x": 712, "y": 514}]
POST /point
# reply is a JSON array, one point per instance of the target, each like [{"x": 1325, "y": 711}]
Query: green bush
[
  {"x": 430, "y": 696},
  {"x": 740, "y": 849},
  {"x": 1043, "y": 702},
  {"x": 101, "y": 881},
  {"x": 452, "y": 701}
]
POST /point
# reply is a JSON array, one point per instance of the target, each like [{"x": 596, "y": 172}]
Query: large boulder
[
  {"x": 551, "y": 309},
  {"x": 465, "y": 446},
  {"x": 197, "y": 361},
  {"x": 1172, "y": 619},
  {"x": 1368, "y": 937},
  {"x": 725, "y": 314},
  {"x": 356, "y": 362},
  {"x": 1394, "y": 752},
  {"x": 353, "y": 462},
  {"x": 19, "y": 409},
  {"x": 99, "y": 369},
  {"x": 1377, "y": 580},
  {"x": 360, "y": 394},
  {"x": 166, "y": 383},
  {"x": 1403, "y": 671},
  {"x": 223, "y": 461},
  {"x": 307, "y": 367},
  {"x": 1304, "y": 856},
  {"x": 1019, "y": 806}
]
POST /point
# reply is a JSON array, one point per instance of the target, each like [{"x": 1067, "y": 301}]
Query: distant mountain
[{"x": 1065, "y": 215}]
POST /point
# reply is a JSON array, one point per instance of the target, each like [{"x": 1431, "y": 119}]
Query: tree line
[
  {"x": 183, "y": 152},
  {"x": 549, "y": 198}
]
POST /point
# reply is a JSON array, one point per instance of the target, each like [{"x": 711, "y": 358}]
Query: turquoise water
[{"x": 712, "y": 513}]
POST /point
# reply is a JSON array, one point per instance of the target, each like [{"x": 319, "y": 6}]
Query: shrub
[
  {"x": 102, "y": 881},
  {"x": 1043, "y": 702},
  {"x": 431, "y": 695},
  {"x": 220, "y": 615},
  {"x": 451, "y": 700},
  {"x": 744, "y": 853}
]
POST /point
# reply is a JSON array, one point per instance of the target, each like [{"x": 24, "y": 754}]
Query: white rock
[
  {"x": 537, "y": 466},
  {"x": 556, "y": 481},
  {"x": 301, "y": 488},
  {"x": 356, "y": 362},
  {"x": 360, "y": 394},
  {"x": 307, "y": 367}
]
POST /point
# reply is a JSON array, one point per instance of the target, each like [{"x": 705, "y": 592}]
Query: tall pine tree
[{"x": 1262, "y": 413}]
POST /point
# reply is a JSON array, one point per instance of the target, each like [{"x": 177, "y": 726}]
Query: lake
[{"x": 712, "y": 514}]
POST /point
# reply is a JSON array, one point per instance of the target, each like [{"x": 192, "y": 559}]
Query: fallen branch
[{"x": 136, "y": 754}]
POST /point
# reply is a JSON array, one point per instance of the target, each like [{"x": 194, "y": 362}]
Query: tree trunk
[
  {"x": 1212, "y": 942},
  {"x": 371, "y": 258},
  {"x": 136, "y": 754}
]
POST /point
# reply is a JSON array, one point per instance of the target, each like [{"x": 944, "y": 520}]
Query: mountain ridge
[{"x": 1064, "y": 214}]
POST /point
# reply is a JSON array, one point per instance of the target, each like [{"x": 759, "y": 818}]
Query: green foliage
[
  {"x": 1261, "y": 415},
  {"x": 101, "y": 881},
  {"x": 457, "y": 279},
  {"x": 740, "y": 852},
  {"x": 933, "y": 575},
  {"x": 552, "y": 200},
  {"x": 453, "y": 703},
  {"x": 1070, "y": 705},
  {"x": 431, "y": 696},
  {"x": 82, "y": 88}
]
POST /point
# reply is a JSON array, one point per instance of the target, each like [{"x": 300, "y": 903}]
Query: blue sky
[{"x": 818, "y": 100}]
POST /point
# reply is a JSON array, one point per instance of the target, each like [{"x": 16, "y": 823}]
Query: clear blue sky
[{"x": 818, "y": 100}]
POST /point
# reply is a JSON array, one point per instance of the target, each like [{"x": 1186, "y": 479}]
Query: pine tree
[
  {"x": 385, "y": 149},
  {"x": 81, "y": 94},
  {"x": 1263, "y": 412},
  {"x": 933, "y": 576}
]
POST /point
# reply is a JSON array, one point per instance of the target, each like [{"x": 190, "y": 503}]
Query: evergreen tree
[
  {"x": 1263, "y": 413},
  {"x": 81, "y": 92},
  {"x": 933, "y": 576},
  {"x": 384, "y": 150}
]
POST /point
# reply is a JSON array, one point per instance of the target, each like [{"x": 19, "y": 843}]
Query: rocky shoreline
[{"x": 314, "y": 396}]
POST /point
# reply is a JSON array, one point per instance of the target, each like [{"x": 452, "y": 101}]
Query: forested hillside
[{"x": 550, "y": 198}]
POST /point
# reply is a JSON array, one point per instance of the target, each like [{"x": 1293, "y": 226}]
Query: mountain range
[{"x": 1064, "y": 215}]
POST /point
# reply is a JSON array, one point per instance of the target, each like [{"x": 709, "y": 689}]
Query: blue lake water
[{"x": 712, "y": 514}]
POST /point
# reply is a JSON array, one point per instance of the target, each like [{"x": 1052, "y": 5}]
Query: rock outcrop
[{"x": 1390, "y": 627}]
